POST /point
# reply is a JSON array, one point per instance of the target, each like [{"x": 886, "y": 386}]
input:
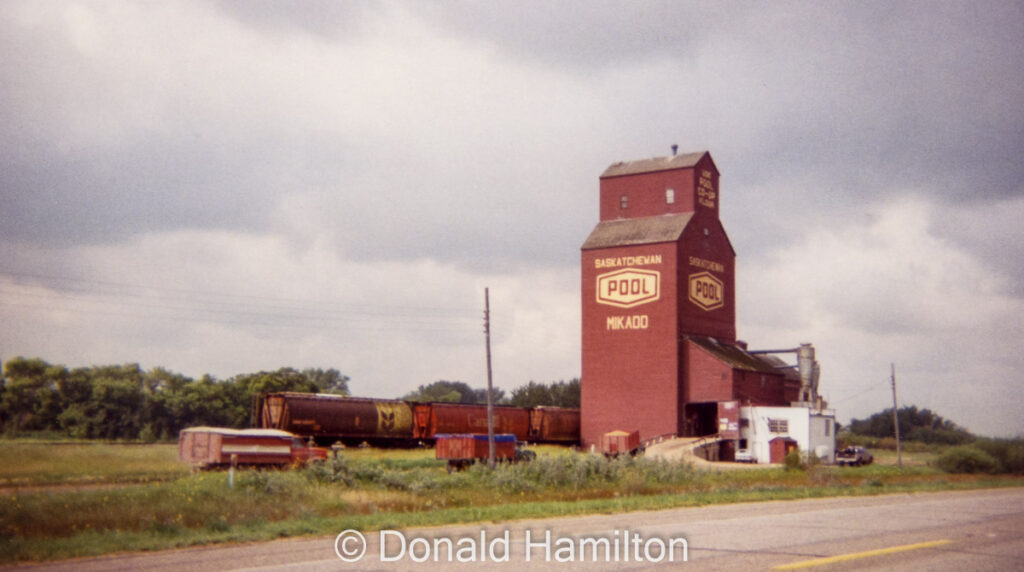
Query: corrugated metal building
[{"x": 659, "y": 318}]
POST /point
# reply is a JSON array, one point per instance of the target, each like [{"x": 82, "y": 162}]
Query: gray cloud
[
  {"x": 578, "y": 36},
  {"x": 326, "y": 19},
  {"x": 366, "y": 148}
]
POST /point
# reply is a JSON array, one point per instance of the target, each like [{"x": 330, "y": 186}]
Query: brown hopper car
[{"x": 330, "y": 418}]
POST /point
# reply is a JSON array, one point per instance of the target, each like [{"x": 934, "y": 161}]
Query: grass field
[
  {"x": 910, "y": 458},
  {"x": 74, "y": 463},
  {"x": 369, "y": 489}
]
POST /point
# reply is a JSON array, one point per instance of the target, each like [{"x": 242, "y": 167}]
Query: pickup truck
[{"x": 853, "y": 457}]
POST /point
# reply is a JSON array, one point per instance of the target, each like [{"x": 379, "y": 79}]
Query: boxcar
[
  {"x": 554, "y": 425},
  {"x": 329, "y": 418},
  {"x": 439, "y": 418}
]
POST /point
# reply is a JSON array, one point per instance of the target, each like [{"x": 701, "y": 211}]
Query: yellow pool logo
[
  {"x": 629, "y": 287},
  {"x": 707, "y": 291}
]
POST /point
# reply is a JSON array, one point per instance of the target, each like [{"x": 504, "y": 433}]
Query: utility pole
[
  {"x": 490, "y": 383},
  {"x": 896, "y": 419}
]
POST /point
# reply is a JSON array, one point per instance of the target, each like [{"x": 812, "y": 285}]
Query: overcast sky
[{"x": 227, "y": 187}]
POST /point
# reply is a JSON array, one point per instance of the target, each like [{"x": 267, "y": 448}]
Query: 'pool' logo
[
  {"x": 628, "y": 288},
  {"x": 707, "y": 291}
]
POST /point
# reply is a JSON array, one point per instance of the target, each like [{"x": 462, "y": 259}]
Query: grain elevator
[{"x": 659, "y": 348}]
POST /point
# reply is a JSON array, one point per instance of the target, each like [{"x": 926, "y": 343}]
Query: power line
[
  {"x": 134, "y": 300},
  {"x": 294, "y": 312},
  {"x": 859, "y": 393},
  {"x": 69, "y": 284}
]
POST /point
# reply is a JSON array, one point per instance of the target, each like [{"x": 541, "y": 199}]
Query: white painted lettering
[{"x": 634, "y": 322}]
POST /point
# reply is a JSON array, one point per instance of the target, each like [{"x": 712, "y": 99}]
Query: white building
[{"x": 767, "y": 434}]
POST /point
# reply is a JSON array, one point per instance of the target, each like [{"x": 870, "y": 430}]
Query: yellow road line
[{"x": 856, "y": 555}]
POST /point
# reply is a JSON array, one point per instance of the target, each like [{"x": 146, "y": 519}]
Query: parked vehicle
[
  {"x": 854, "y": 457},
  {"x": 462, "y": 450},
  {"x": 220, "y": 447},
  {"x": 745, "y": 456},
  {"x": 615, "y": 443}
]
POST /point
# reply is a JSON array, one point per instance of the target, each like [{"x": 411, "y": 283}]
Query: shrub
[
  {"x": 1009, "y": 453},
  {"x": 148, "y": 434},
  {"x": 967, "y": 459},
  {"x": 940, "y": 436},
  {"x": 337, "y": 471},
  {"x": 794, "y": 461}
]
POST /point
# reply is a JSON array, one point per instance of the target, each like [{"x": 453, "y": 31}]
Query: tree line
[
  {"x": 558, "y": 394},
  {"x": 961, "y": 451},
  {"x": 127, "y": 402},
  {"x": 921, "y": 425}
]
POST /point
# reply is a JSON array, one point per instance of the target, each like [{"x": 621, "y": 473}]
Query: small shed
[{"x": 779, "y": 447}]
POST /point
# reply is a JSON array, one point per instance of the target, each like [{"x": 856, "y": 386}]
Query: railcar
[
  {"x": 392, "y": 422},
  {"x": 330, "y": 418},
  {"x": 435, "y": 418},
  {"x": 554, "y": 425}
]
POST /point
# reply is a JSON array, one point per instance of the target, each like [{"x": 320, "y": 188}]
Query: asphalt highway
[{"x": 963, "y": 531}]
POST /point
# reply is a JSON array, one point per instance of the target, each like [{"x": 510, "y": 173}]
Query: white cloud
[
  {"x": 227, "y": 303},
  {"x": 891, "y": 291}
]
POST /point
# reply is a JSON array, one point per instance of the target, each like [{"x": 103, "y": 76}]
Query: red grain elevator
[{"x": 658, "y": 276}]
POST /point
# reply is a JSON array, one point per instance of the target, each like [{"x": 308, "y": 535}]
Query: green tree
[
  {"x": 284, "y": 379},
  {"x": 125, "y": 402},
  {"x": 24, "y": 368},
  {"x": 115, "y": 407},
  {"x": 245, "y": 387},
  {"x": 453, "y": 392},
  {"x": 203, "y": 402},
  {"x": 162, "y": 389},
  {"x": 566, "y": 393},
  {"x": 531, "y": 395},
  {"x": 31, "y": 400},
  {"x": 915, "y": 425},
  {"x": 76, "y": 386},
  {"x": 160, "y": 379},
  {"x": 327, "y": 380},
  {"x": 559, "y": 394}
]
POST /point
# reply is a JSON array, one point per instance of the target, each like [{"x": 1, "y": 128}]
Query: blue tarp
[{"x": 498, "y": 437}]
